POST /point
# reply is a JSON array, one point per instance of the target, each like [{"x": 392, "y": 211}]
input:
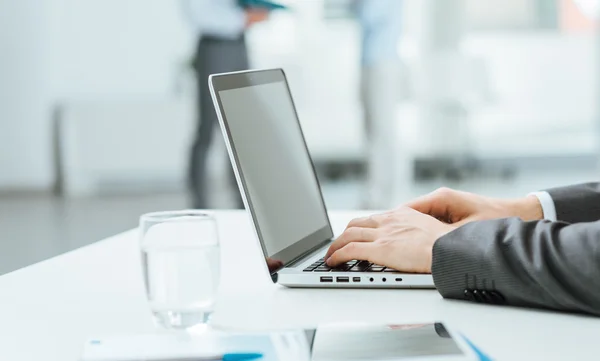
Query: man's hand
[
  {"x": 401, "y": 239},
  {"x": 456, "y": 207},
  {"x": 254, "y": 16}
]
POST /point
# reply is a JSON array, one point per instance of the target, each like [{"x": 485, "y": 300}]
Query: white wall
[
  {"x": 23, "y": 115},
  {"x": 63, "y": 50}
]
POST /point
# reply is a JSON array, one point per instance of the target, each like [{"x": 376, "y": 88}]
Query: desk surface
[{"x": 49, "y": 309}]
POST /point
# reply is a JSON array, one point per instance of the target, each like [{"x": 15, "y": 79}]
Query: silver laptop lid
[{"x": 273, "y": 167}]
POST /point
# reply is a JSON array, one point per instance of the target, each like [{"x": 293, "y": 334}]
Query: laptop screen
[{"x": 274, "y": 165}]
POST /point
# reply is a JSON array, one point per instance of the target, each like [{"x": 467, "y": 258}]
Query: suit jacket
[{"x": 554, "y": 265}]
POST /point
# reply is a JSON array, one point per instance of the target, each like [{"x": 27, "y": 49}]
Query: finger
[
  {"x": 435, "y": 204},
  {"x": 365, "y": 222},
  {"x": 362, "y": 251},
  {"x": 353, "y": 234},
  {"x": 466, "y": 220}
]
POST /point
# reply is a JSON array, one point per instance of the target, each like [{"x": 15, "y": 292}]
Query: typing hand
[
  {"x": 401, "y": 239},
  {"x": 458, "y": 207}
]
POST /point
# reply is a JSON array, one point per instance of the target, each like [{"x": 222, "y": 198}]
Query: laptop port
[
  {"x": 326, "y": 279},
  {"x": 398, "y": 279},
  {"x": 355, "y": 279},
  {"x": 342, "y": 279}
]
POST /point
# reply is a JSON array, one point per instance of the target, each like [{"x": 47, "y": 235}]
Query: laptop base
[{"x": 295, "y": 279}]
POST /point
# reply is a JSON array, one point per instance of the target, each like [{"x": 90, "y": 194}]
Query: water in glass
[{"x": 181, "y": 271}]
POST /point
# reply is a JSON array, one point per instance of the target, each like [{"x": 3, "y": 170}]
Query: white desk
[{"x": 47, "y": 310}]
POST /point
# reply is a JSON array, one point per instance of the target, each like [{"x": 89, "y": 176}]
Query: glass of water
[{"x": 180, "y": 261}]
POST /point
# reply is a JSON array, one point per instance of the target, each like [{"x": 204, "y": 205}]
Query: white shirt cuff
[{"x": 547, "y": 203}]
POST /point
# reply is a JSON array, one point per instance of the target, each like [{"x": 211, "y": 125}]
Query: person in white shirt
[
  {"x": 381, "y": 27},
  {"x": 219, "y": 26}
]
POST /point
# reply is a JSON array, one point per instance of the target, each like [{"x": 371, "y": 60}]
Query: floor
[{"x": 36, "y": 227}]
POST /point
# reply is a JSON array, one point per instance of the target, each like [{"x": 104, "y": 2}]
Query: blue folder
[
  {"x": 264, "y": 4},
  {"x": 482, "y": 356}
]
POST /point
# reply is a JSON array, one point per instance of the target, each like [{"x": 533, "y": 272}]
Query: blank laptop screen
[{"x": 277, "y": 172}]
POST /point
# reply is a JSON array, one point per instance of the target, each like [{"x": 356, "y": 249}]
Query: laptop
[{"x": 280, "y": 189}]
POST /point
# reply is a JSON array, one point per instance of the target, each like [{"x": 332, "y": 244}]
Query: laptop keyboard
[{"x": 352, "y": 266}]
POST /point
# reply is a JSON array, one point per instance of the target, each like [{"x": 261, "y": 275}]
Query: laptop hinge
[{"x": 300, "y": 258}]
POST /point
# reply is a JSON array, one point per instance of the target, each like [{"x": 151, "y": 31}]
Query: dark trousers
[{"x": 213, "y": 55}]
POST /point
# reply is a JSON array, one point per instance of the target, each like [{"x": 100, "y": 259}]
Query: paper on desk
[
  {"x": 290, "y": 346},
  {"x": 381, "y": 342},
  {"x": 330, "y": 342}
]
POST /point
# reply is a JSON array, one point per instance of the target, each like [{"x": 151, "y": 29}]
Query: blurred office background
[{"x": 97, "y": 106}]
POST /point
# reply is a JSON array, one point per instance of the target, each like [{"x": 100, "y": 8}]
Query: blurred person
[
  {"x": 380, "y": 22},
  {"x": 220, "y": 26},
  {"x": 541, "y": 251}
]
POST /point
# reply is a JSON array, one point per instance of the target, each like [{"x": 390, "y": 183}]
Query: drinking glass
[{"x": 180, "y": 262}]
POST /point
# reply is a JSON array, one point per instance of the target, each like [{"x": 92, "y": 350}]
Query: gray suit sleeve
[
  {"x": 578, "y": 203},
  {"x": 542, "y": 264}
]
